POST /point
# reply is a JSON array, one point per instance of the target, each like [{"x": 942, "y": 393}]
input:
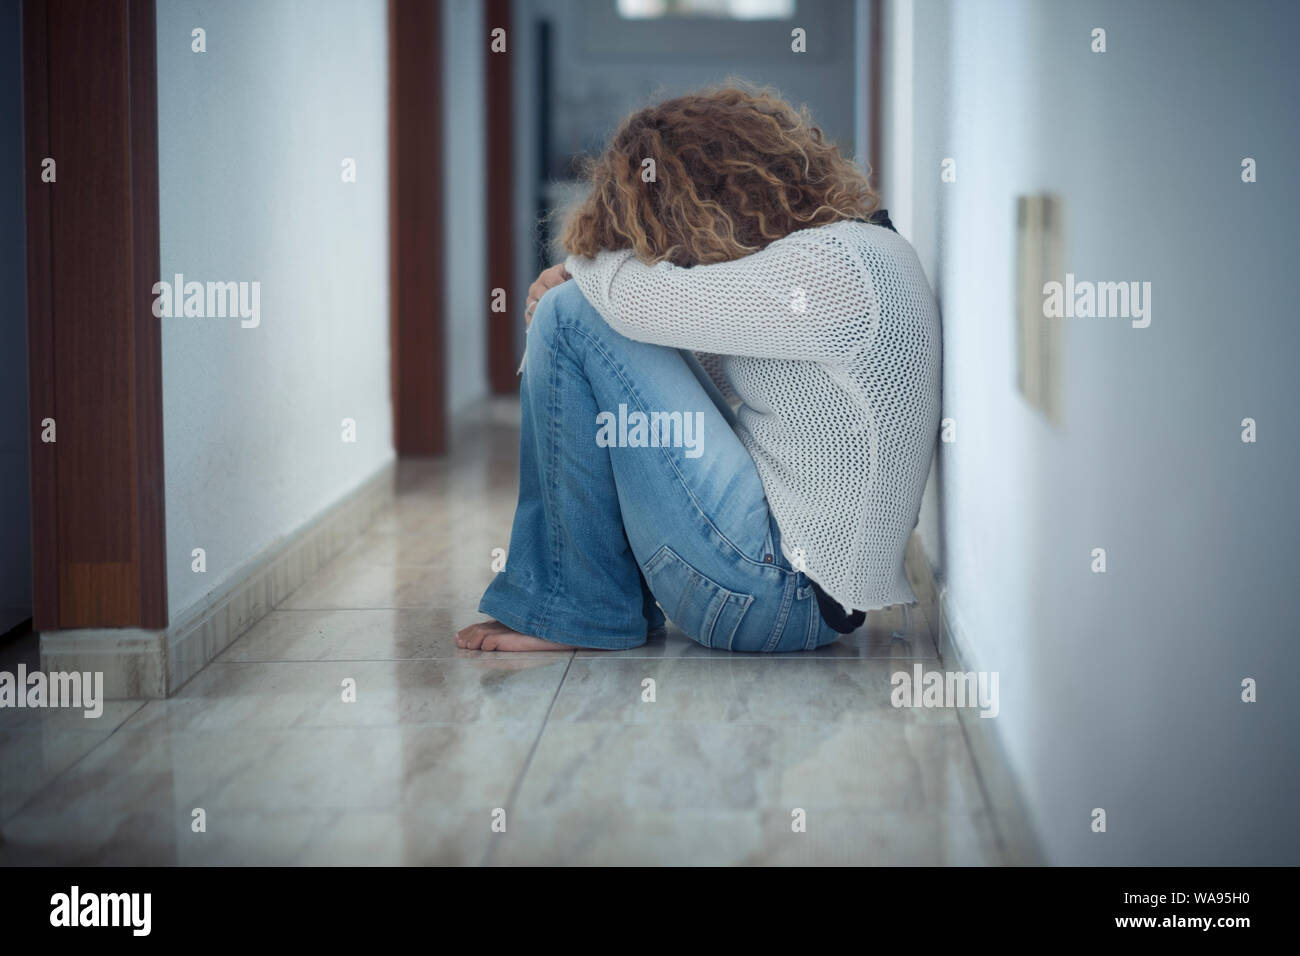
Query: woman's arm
[{"x": 807, "y": 296}]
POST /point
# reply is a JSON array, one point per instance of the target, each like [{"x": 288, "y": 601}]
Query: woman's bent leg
[
  {"x": 570, "y": 576},
  {"x": 628, "y": 468}
]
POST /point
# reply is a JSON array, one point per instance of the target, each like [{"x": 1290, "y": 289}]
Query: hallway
[{"x": 438, "y": 739}]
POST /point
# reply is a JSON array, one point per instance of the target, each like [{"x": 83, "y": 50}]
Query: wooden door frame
[
  {"x": 502, "y": 355},
  {"x": 416, "y": 237},
  {"x": 94, "y": 345}
]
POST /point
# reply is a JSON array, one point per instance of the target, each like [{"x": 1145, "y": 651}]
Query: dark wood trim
[
  {"x": 416, "y": 174},
  {"x": 147, "y": 259},
  {"x": 502, "y": 357},
  {"x": 98, "y": 515}
]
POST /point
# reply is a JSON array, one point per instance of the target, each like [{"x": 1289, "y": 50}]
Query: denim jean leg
[
  {"x": 693, "y": 506},
  {"x": 570, "y": 575},
  {"x": 597, "y": 517}
]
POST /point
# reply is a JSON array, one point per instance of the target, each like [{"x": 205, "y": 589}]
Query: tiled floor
[{"x": 440, "y": 742}]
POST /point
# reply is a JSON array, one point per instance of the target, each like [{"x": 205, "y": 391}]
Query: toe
[{"x": 471, "y": 637}]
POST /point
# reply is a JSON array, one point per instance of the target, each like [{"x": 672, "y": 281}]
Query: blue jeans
[{"x": 607, "y": 524}]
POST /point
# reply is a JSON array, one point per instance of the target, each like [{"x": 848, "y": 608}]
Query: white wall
[
  {"x": 1121, "y": 690},
  {"x": 251, "y": 137},
  {"x": 464, "y": 42}
]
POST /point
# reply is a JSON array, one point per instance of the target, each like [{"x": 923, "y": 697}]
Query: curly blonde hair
[{"x": 735, "y": 169}]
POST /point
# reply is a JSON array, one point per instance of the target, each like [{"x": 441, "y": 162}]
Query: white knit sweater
[{"x": 830, "y": 339}]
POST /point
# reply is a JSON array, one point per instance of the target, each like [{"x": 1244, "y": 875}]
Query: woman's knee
[
  {"x": 560, "y": 310},
  {"x": 562, "y": 307}
]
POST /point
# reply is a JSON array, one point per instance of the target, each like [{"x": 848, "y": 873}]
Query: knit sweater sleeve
[
  {"x": 806, "y": 296},
  {"x": 712, "y": 365}
]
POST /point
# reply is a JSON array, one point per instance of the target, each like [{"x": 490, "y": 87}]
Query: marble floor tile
[
  {"x": 613, "y": 767},
  {"x": 155, "y": 838},
  {"x": 423, "y": 836},
  {"x": 744, "y": 838},
  {"x": 257, "y": 696},
  {"x": 400, "y": 549},
  {"x": 50, "y": 721},
  {"x": 133, "y": 799},
  {"x": 38, "y": 745},
  {"x": 450, "y": 510},
  {"x": 378, "y": 634},
  {"x": 350, "y": 584},
  {"x": 740, "y": 688}
]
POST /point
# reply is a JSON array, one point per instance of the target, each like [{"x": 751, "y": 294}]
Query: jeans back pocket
[{"x": 705, "y": 611}]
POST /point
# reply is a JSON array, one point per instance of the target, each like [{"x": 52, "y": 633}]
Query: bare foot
[{"x": 495, "y": 636}]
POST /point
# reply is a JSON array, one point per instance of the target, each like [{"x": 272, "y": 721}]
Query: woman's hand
[{"x": 549, "y": 279}]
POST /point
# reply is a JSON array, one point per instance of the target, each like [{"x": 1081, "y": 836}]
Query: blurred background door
[{"x": 580, "y": 66}]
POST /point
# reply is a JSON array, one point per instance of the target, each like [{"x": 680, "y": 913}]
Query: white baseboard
[
  {"x": 152, "y": 664},
  {"x": 133, "y": 661}
]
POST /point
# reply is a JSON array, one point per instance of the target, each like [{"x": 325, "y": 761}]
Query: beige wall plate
[{"x": 1039, "y": 260}]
